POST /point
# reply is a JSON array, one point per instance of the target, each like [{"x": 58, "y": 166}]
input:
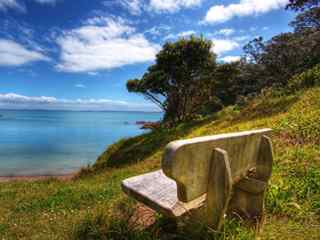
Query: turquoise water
[{"x": 58, "y": 142}]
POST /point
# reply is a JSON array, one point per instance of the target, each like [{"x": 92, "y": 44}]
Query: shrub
[{"x": 307, "y": 79}]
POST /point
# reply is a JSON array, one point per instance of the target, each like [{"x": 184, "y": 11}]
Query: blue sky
[{"x": 78, "y": 55}]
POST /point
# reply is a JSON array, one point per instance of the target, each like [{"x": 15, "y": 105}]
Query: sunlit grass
[{"x": 92, "y": 206}]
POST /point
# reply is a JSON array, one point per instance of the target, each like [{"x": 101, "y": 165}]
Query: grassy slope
[{"x": 61, "y": 210}]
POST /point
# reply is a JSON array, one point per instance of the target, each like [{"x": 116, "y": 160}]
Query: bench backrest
[{"x": 188, "y": 161}]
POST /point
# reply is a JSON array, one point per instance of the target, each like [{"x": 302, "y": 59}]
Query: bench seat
[
  {"x": 225, "y": 173},
  {"x": 159, "y": 192}
]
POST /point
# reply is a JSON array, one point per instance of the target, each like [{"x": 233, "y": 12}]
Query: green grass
[{"x": 92, "y": 206}]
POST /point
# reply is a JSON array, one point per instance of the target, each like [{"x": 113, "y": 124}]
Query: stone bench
[{"x": 225, "y": 173}]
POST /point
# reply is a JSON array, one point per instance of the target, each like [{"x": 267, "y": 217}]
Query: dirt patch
[{"x": 143, "y": 217}]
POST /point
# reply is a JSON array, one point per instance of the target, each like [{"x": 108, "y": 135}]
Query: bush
[
  {"x": 307, "y": 79},
  {"x": 302, "y": 122}
]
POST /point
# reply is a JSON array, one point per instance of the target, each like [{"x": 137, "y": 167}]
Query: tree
[
  {"x": 235, "y": 80},
  {"x": 301, "y": 5},
  {"x": 284, "y": 55},
  {"x": 152, "y": 86},
  {"x": 253, "y": 50},
  {"x": 306, "y": 20},
  {"x": 180, "y": 80},
  {"x": 226, "y": 85}
]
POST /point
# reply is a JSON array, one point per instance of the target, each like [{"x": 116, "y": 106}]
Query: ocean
[{"x": 61, "y": 142}]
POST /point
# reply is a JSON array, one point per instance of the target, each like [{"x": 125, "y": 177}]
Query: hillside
[{"x": 93, "y": 205}]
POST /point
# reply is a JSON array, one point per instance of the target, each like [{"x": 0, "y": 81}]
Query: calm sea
[{"x": 58, "y": 142}]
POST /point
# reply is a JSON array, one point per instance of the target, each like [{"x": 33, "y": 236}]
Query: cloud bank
[
  {"x": 16, "y": 101},
  {"x": 223, "y": 13}
]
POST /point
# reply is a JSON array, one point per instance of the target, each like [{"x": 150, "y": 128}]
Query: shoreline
[{"x": 31, "y": 178}]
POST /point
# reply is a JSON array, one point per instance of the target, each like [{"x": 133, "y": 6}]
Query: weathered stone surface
[
  {"x": 251, "y": 185},
  {"x": 159, "y": 193},
  {"x": 219, "y": 188},
  {"x": 188, "y": 161},
  {"x": 221, "y": 174},
  {"x": 248, "y": 194},
  {"x": 265, "y": 159}
]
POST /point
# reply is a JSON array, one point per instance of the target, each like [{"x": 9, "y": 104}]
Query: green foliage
[
  {"x": 306, "y": 183},
  {"x": 309, "y": 19},
  {"x": 277, "y": 60},
  {"x": 268, "y": 103},
  {"x": 278, "y": 197},
  {"x": 300, "y": 5},
  {"x": 302, "y": 122},
  {"x": 284, "y": 56},
  {"x": 88, "y": 207},
  {"x": 3, "y": 228},
  {"x": 294, "y": 191},
  {"x": 119, "y": 226},
  {"x": 234, "y": 229},
  {"x": 296, "y": 194},
  {"x": 133, "y": 150},
  {"x": 99, "y": 227},
  {"x": 179, "y": 81},
  {"x": 136, "y": 149},
  {"x": 226, "y": 83},
  {"x": 64, "y": 198},
  {"x": 91, "y": 227},
  {"x": 186, "y": 82},
  {"x": 307, "y": 79}
]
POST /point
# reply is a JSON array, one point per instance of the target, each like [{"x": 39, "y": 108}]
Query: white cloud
[
  {"x": 100, "y": 46},
  {"x": 158, "y": 30},
  {"x": 19, "y": 6},
  {"x": 153, "y": 31},
  {"x": 224, "y": 45},
  {"x": 80, "y": 86},
  {"x": 12, "y": 98},
  {"x": 172, "y": 36},
  {"x": 230, "y": 59},
  {"x": 16, "y": 101},
  {"x": 225, "y": 32},
  {"x": 172, "y": 5},
  {"x": 52, "y": 2},
  {"x": 186, "y": 33},
  {"x": 222, "y": 13},
  {"x": 242, "y": 38},
  {"x": 14, "y": 54},
  {"x": 93, "y": 73},
  {"x": 134, "y": 6},
  {"x": 14, "y": 4}
]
